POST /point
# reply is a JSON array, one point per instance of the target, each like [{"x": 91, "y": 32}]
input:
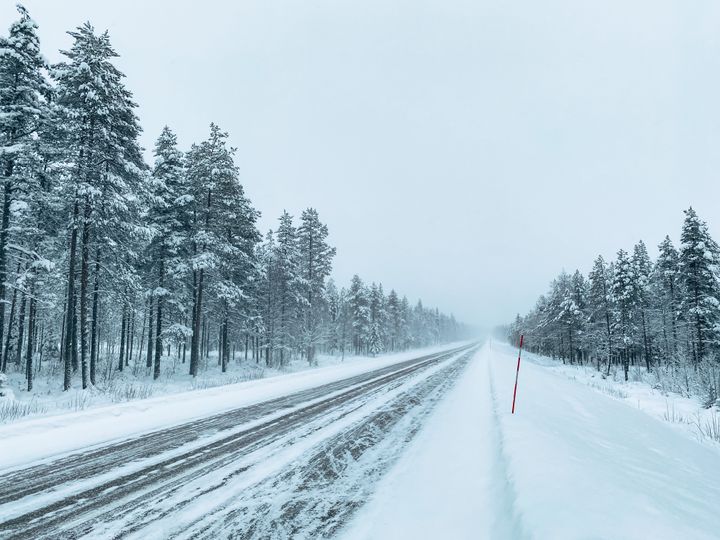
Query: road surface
[{"x": 299, "y": 465}]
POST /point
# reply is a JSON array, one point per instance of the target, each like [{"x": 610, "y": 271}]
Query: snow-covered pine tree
[
  {"x": 223, "y": 238},
  {"x": 358, "y": 303},
  {"x": 378, "y": 320},
  {"x": 24, "y": 94},
  {"x": 289, "y": 285},
  {"x": 642, "y": 266},
  {"x": 108, "y": 171},
  {"x": 168, "y": 218},
  {"x": 395, "y": 320},
  {"x": 600, "y": 311},
  {"x": 665, "y": 292},
  {"x": 624, "y": 291},
  {"x": 315, "y": 265},
  {"x": 405, "y": 335},
  {"x": 699, "y": 303}
]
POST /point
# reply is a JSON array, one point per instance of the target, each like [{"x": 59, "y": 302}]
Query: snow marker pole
[{"x": 517, "y": 373}]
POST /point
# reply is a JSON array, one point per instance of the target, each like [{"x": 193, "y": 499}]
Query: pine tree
[
  {"x": 169, "y": 219},
  {"x": 108, "y": 171},
  {"x": 665, "y": 287},
  {"x": 315, "y": 265},
  {"x": 699, "y": 257},
  {"x": 642, "y": 267},
  {"x": 395, "y": 320},
  {"x": 288, "y": 284},
  {"x": 600, "y": 307},
  {"x": 378, "y": 317},
  {"x": 358, "y": 303},
  {"x": 223, "y": 239},
  {"x": 624, "y": 291},
  {"x": 24, "y": 94}
]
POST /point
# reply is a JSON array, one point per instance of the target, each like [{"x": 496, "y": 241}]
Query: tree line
[
  {"x": 663, "y": 315},
  {"x": 106, "y": 260}
]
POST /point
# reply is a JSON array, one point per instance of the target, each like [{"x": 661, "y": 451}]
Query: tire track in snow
[
  {"x": 77, "y": 514},
  {"x": 314, "y": 498}
]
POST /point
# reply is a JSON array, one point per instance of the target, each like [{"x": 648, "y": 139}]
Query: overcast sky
[{"x": 464, "y": 152}]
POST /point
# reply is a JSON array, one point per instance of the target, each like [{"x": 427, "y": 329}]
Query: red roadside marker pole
[{"x": 517, "y": 373}]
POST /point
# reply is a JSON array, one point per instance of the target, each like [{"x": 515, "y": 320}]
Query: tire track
[{"x": 76, "y": 514}]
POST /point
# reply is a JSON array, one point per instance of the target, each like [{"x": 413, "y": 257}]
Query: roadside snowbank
[
  {"x": 571, "y": 463},
  {"x": 583, "y": 464},
  {"x": 685, "y": 413}
]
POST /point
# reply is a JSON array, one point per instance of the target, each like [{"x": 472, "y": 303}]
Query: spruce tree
[
  {"x": 24, "y": 94},
  {"x": 624, "y": 291},
  {"x": 108, "y": 171},
  {"x": 315, "y": 265},
  {"x": 600, "y": 308},
  {"x": 665, "y": 288},
  {"x": 169, "y": 219},
  {"x": 642, "y": 267},
  {"x": 699, "y": 304}
]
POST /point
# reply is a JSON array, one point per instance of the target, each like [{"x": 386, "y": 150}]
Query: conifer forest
[
  {"x": 661, "y": 315},
  {"x": 110, "y": 263}
]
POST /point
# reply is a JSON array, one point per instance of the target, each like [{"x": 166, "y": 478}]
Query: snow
[
  {"x": 47, "y": 437},
  {"x": 445, "y": 485},
  {"x": 571, "y": 463}
]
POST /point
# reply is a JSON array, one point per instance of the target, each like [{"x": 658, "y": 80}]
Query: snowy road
[
  {"x": 295, "y": 465},
  {"x": 420, "y": 449}
]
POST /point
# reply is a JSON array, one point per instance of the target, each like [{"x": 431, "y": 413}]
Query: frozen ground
[{"x": 571, "y": 463}]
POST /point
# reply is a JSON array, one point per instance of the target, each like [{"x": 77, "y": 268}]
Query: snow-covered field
[{"x": 571, "y": 463}]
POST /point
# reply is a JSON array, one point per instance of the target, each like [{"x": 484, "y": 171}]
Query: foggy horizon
[{"x": 461, "y": 154}]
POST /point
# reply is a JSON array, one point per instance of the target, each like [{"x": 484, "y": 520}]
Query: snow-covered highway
[
  {"x": 417, "y": 448},
  {"x": 259, "y": 470}
]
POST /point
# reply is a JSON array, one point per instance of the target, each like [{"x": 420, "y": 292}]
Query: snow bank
[
  {"x": 571, "y": 463},
  {"x": 583, "y": 464}
]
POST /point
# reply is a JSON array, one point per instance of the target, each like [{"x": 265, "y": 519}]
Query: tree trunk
[
  {"x": 123, "y": 325},
  {"x": 131, "y": 335},
  {"x": 151, "y": 341},
  {"x": 69, "y": 348},
  {"x": 84, "y": 278},
  {"x": 21, "y": 328},
  {"x": 4, "y": 226},
  {"x": 30, "y": 341},
  {"x": 158, "y": 317},
  {"x": 225, "y": 345},
  {"x": 95, "y": 315},
  {"x": 9, "y": 331},
  {"x": 196, "y": 315}
]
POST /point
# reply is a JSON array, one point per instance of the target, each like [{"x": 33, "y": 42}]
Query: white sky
[{"x": 464, "y": 151}]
